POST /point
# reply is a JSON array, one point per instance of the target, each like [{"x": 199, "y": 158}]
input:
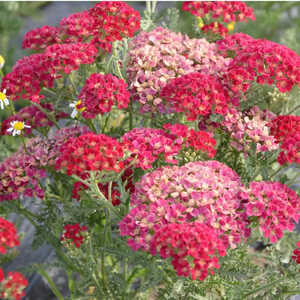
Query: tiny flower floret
[
  {"x": 17, "y": 127},
  {"x": 3, "y": 98},
  {"x": 76, "y": 108}
]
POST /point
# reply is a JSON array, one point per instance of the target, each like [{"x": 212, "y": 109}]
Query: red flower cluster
[
  {"x": 91, "y": 152},
  {"x": 234, "y": 43},
  {"x": 226, "y": 11},
  {"x": 283, "y": 126},
  {"x": 197, "y": 140},
  {"x": 32, "y": 73},
  {"x": 100, "y": 93},
  {"x": 101, "y": 25},
  {"x": 286, "y": 130},
  {"x": 115, "y": 20},
  {"x": 215, "y": 28},
  {"x": 68, "y": 57},
  {"x": 196, "y": 94},
  {"x": 229, "y": 11},
  {"x": 262, "y": 61},
  {"x": 276, "y": 206},
  {"x": 32, "y": 116},
  {"x": 8, "y": 235},
  {"x": 40, "y": 38},
  {"x": 186, "y": 241},
  {"x": 13, "y": 286},
  {"x": 296, "y": 255},
  {"x": 77, "y": 27},
  {"x": 27, "y": 77},
  {"x": 73, "y": 234}
]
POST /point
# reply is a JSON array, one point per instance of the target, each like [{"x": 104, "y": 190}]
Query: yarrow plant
[{"x": 156, "y": 164}]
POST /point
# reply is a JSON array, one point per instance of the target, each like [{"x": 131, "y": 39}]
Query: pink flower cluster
[
  {"x": 12, "y": 287},
  {"x": 45, "y": 151},
  {"x": 20, "y": 173},
  {"x": 100, "y": 93},
  {"x": 101, "y": 25},
  {"x": 156, "y": 57},
  {"x": 196, "y": 94},
  {"x": 74, "y": 234},
  {"x": 263, "y": 61},
  {"x": 276, "y": 206},
  {"x": 148, "y": 144},
  {"x": 8, "y": 235},
  {"x": 250, "y": 127},
  {"x": 286, "y": 130},
  {"x": 195, "y": 241},
  {"x": 206, "y": 192}
]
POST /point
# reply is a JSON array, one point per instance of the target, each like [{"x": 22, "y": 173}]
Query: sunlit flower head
[
  {"x": 75, "y": 105},
  {"x": 2, "y": 61},
  {"x": 16, "y": 127},
  {"x": 3, "y": 98}
]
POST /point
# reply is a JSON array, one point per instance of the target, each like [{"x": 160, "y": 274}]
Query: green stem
[
  {"x": 277, "y": 171},
  {"x": 71, "y": 284},
  {"x": 51, "y": 283},
  {"x": 273, "y": 283},
  {"x": 73, "y": 84},
  {"x": 105, "y": 123},
  {"x": 294, "y": 109}
]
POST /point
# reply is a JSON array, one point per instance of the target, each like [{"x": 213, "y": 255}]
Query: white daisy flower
[
  {"x": 3, "y": 99},
  {"x": 16, "y": 127},
  {"x": 76, "y": 110}
]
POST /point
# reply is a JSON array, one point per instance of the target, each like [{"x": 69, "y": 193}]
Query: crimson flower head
[
  {"x": 115, "y": 20},
  {"x": 40, "y": 38},
  {"x": 91, "y": 152},
  {"x": 193, "y": 248},
  {"x": 8, "y": 235},
  {"x": 13, "y": 286},
  {"x": 73, "y": 234},
  {"x": 196, "y": 94},
  {"x": 101, "y": 92}
]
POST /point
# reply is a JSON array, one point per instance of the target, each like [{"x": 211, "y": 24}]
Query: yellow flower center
[
  {"x": 2, "y": 61},
  {"x": 200, "y": 22},
  {"x": 79, "y": 109},
  {"x": 230, "y": 26},
  {"x": 2, "y": 95},
  {"x": 18, "y": 125}
]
